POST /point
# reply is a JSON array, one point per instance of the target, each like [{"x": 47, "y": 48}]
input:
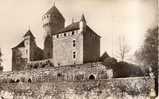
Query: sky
[{"x": 110, "y": 19}]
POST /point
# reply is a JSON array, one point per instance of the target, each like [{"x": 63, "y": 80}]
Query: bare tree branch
[{"x": 123, "y": 49}]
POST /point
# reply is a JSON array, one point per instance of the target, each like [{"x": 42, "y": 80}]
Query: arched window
[{"x": 91, "y": 77}]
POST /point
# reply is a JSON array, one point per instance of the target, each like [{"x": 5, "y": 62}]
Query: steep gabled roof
[
  {"x": 21, "y": 44},
  {"x": 73, "y": 26},
  {"x": 92, "y": 31},
  {"x": 29, "y": 33}
]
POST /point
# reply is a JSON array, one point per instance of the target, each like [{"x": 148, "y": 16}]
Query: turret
[
  {"x": 28, "y": 41},
  {"x": 83, "y": 23}
]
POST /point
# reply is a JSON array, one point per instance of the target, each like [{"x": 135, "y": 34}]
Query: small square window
[
  {"x": 74, "y": 43},
  {"x": 64, "y": 34},
  {"x": 74, "y": 55},
  {"x": 73, "y": 32},
  {"x": 57, "y": 36}
]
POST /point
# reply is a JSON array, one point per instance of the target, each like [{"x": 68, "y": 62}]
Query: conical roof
[{"x": 53, "y": 11}]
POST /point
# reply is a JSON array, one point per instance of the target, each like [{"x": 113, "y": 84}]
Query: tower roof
[
  {"x": 29, "y": 33},
  {"x": 53, "y": 11},
  {"x": 83, "y": 18}
]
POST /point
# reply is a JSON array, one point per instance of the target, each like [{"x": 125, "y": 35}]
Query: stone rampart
[{"x": 62, "y": 73}]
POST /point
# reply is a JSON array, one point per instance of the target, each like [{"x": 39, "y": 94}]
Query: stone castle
[
  {"x": 68, "y": 67},
  {"x": 76, "y": 43}
]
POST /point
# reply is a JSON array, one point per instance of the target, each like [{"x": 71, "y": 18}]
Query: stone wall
[
  {"x": 18, "y": 59},
  {"x": 63, "y": 48},
  {"x": 64, "y": 73},
  {"x": 91, "y": 45},
  {"x": 26, "y": 53},
  {"x": 123, "y": 88}
]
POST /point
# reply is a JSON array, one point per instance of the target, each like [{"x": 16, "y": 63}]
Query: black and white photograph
[{"x": 79, "y": 49}]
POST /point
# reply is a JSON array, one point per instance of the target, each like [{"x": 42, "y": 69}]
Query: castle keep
[{"x": 76, "y": 43}]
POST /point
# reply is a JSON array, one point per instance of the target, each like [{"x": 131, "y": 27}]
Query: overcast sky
[{"x": 108, "y": 18}]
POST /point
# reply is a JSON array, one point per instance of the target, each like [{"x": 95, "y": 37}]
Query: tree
[
  {"x": 148, "y": 53},
  {"x": 123, "y": 49}
]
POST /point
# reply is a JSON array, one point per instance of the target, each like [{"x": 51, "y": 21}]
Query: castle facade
[{"x": 76, "y": 43}]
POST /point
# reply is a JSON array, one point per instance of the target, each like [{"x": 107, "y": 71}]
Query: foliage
[
  {"x": 147, "y": 54},
  {"x": 123, "y": 69}
]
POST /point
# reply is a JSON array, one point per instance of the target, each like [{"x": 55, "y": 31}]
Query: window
[
  {"x": 64, "y": 34},
  {"x": 59, "y": 75},
  {"x": 73, "y": 32},
  {"x": 57, "y": 36},
  {"x": 74, "y": 55},
  {"x": 74, "y": 43},
  {"x": 29, "y": 80},
  {"x": 26, "y": 51}
]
